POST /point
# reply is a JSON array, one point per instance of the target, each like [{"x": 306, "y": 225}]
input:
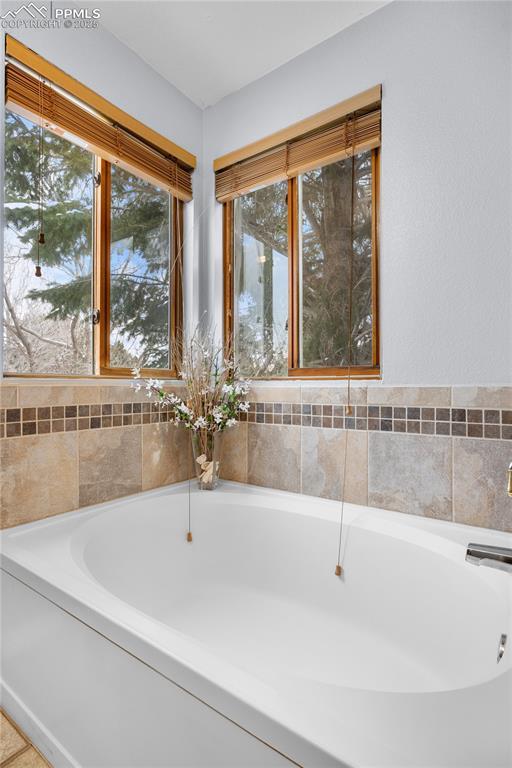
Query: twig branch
[
  {"x": 17, "y": 328},
  {"x": 55, "y": 342}
]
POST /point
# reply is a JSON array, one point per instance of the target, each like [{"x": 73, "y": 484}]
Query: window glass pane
[
  {"x": 261, "y": 281},
  {"x": 325, "y": 196},
  {"x": 139, "y": 273},
  {"x": 47, "y": 319}
]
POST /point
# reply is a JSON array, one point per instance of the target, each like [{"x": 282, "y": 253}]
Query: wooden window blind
[
  {"x": 36, "y": 97},
  {"x": 354, "y": 125}
]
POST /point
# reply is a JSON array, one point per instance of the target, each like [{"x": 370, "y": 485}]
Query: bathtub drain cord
[
  {"x": 338, "y": 571},
  {"x": 189, "y": 531}
]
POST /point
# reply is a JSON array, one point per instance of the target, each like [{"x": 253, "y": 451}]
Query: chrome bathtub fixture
[
  {"x": 509, "y": 479},
  {"x": 501, "y": 648},
  {"x": 493, "y": 557}
]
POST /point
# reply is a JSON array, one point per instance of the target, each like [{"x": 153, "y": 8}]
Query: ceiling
[{"x": 210, "y": 49}]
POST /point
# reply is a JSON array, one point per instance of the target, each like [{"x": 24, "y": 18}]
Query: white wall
[
  {"x": 99, "y": 60},
  {"x": 445, "y": 247}
]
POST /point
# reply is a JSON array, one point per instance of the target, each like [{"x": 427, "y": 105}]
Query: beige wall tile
[
  {"x": 110, "y": 463},
  {"x": 323, "y": 461},
  {"x": 233, "y": 465},
  {"x": 8, "y": 396},
  {"x": 410, "y": 473},
  {"x": 428, "y": 396},
  {"x": 335, "y": 395},
  {"x": 10, "y": 740},
  {"x": 121, "y": 394},
  {"x": 126, "y": 393},
  {"x": 29, "y": 759},
  {"x": 87, "y": 394},
  {"x": 480, "y": 483},
  {"x": 166, "y": 455},
  {"x": 39, "y": 477},
  {"x": 45, "y": 394},
  {"x": 273, "y": 457},
  {"x": 482, "y": 397},
  {"x": 310, "y": 393},
  {"x": 177, "y": 387},
  {"x": 284, "y": 394}
]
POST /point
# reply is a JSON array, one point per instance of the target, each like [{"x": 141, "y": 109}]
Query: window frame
[
  {"x": 294, "y": 370},
  {"x": 101, "y": 290},
  {"x": 100, "y": 295},
  {"x": 20, "y": 56}
]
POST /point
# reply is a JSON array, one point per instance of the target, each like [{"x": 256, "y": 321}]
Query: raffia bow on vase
[{"x": 206, "y": 468}]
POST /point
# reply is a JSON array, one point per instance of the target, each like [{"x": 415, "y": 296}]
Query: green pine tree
[{"x": 140, "y": 264}]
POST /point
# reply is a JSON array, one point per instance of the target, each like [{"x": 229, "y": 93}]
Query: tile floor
[{"x": 16, "y": 751}]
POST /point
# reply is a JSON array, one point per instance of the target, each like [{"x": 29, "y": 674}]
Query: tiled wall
[
  {"x": 62, "y": 447},
  {"x": 437, "y": 451}
]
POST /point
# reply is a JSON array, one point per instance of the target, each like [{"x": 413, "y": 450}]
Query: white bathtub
[{"x": 123, "y": 645}]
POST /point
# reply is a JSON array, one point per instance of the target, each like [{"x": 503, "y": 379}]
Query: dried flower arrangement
[{"x": 213, "y": 403}]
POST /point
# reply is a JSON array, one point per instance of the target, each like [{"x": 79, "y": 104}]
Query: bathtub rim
[{"x": 451, "y": 530}]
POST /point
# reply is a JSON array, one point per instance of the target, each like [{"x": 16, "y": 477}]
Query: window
[
  {"x": 261, "y": 280},
  {"x": 110, "y": 296},
  {"x": 47, "y": 320},
  {"x": 329, "y": 263},
  {"x": 140, "y": 273},
  {"x": 300, "y": 254}
]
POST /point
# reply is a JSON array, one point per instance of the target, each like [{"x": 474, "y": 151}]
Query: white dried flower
[
  {"x": 218, "y": 415},
  {"x": 241, "y": 387}
]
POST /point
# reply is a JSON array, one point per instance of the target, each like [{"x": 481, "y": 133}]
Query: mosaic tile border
[
  {"x": 20, "y": 422},
  {"x": 485, "y": 423},
  {"x": 490, "y": 423}
]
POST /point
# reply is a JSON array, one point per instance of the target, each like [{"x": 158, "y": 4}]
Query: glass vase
[{"x": 206, "y": 448}]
